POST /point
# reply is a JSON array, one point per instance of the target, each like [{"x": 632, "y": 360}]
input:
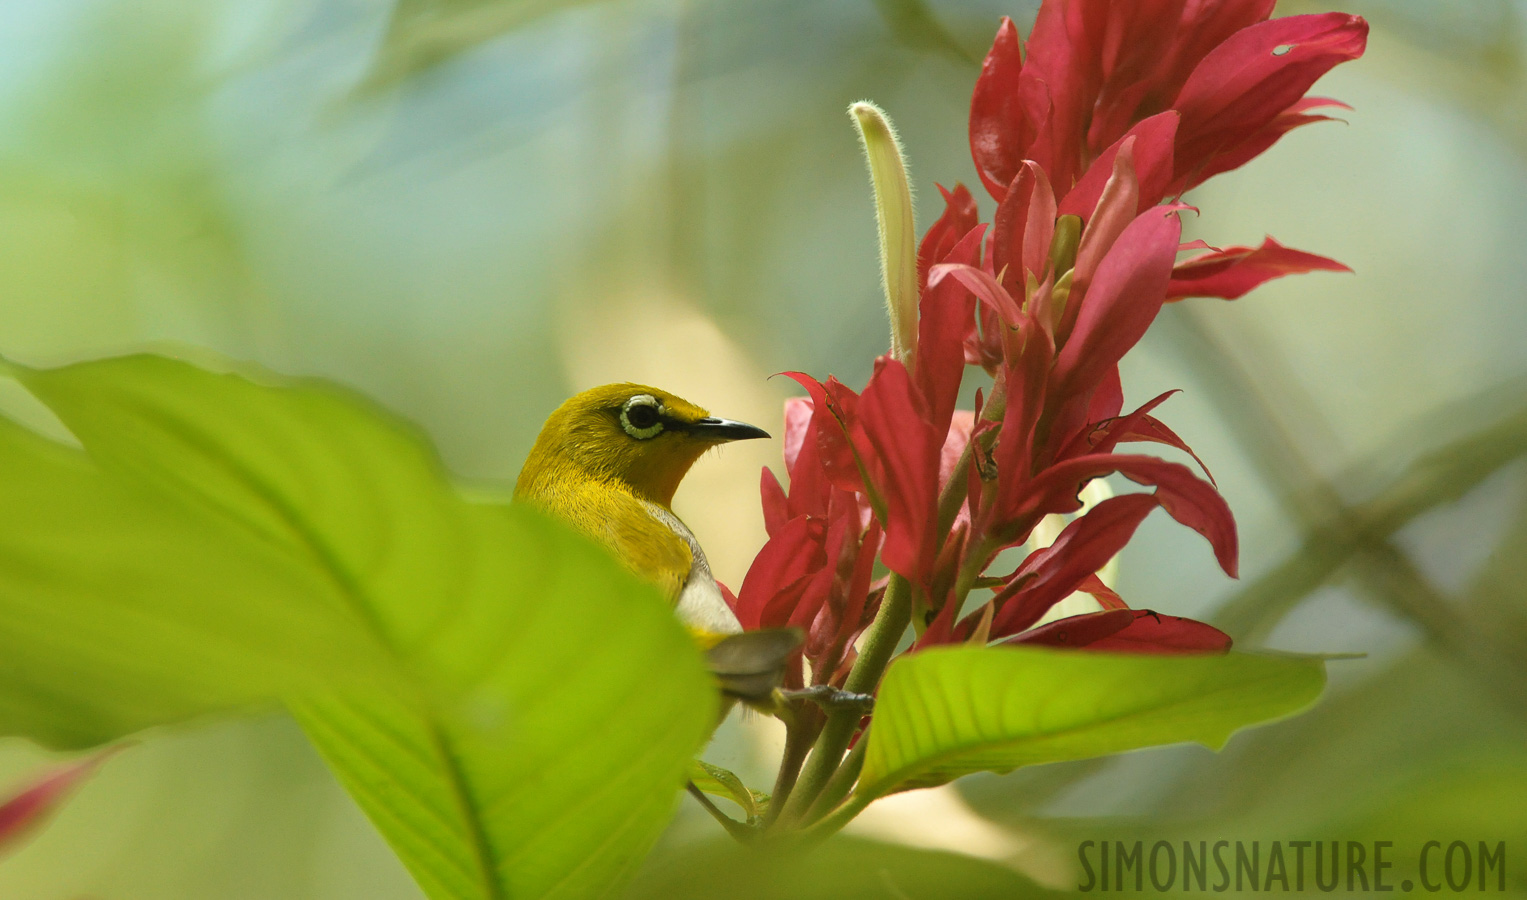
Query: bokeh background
[{"x": 469, "y": 209}]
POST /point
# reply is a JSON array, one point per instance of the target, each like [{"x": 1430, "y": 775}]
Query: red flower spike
[
  {"x": 1232, "y": 272},
  {"x": 1187, "y": 498},
  {"x": 1086, "y": 545},
  {"x": 1152, "y": 632},
  {"x": 959, "y": 217},
  {"x": 1254, "y": 76},
  {"x": 999, "y": 126}
]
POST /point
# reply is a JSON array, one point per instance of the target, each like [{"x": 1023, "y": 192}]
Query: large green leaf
[
  {"x": 843, "y": 868},
  {"x": 948, "y": 712},
  {"x": 120, "y": 610},
  {"x": 531, "y": 709}
]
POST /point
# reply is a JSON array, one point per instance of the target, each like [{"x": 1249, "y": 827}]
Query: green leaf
[
  {"x": 843, "y": 868},
  {"x": 531, "y": 709},
  {"x": 944, "y": 713},
  {"x": 120, "y": 610},
  {"x": 724, "y": 783}
]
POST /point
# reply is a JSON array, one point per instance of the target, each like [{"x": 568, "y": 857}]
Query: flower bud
[{"x": 893, "y": 212}]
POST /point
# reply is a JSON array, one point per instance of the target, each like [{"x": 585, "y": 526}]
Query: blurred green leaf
[
  {"x": 949, "y": 712},
  {"x": 425, "y": 33},
  {"x": 537, "y": 706},
  {"x": 841, "y": 869},
  {"x": 119, "y": 610},
  {"x": 724, "y": 783}
]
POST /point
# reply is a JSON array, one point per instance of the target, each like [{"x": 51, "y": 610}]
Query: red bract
[
  {"x": 1111, "y": 109},
  {"x": 1095, "y": 69},
  {"x": 29, "y": 806}
]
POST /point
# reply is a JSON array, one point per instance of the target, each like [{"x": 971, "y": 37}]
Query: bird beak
[{"x": 725, "y": 430}]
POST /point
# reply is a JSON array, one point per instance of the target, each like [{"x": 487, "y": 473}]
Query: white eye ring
[{"x": 641, "y": 401}]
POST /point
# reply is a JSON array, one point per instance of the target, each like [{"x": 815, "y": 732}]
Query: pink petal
[
  {"x": 1233, "y": 271},
  {"x": 999, "y": 130},
  {"x": 776, "y": 506},
  {"x": 1152, "y": 632},
  {"x": 959, "y": 217},
  {"x": 1077, "y": 631},
  {"x": 1085, "y": 546},
  {"x": 1187, "y": 498},
  {"x": 831, "y": 422},
  {"x": 779, "y": 572},
  {"x": 1152, "y": 142},
  {"x": 983, "y": 285},
  {"x": 946, "y": 315},
  {"x": 798, "y": 412},
  {"x": 1125, "y": 295},
  {"x": 1255, "y": 75},
  {"x": 904, "y": 449}
]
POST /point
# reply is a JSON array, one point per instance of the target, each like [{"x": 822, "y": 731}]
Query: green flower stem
[
  {"x": 841, "y": 782},
  {"x": 958, "y": 485},
  {"x": 798, "y": 739},
  {"x": 832, "y": 823},
  {"x": 879, "y": 644}
]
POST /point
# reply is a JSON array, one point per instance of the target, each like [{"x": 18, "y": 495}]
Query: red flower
[
  {"x": 1096, "y": 70},
  {"x": 1116, "y": 107}
]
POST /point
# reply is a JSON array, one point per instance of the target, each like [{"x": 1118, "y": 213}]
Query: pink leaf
[
  {"x": 1187, "y": 498},
  {"x": 959, "y": 217},
  {"x": 1086, "y": 545},
  {"x": 1152, "y": 632},
  {"x": 1152, "y": 142},
  {"x": 998, "y": 127},
  {"x": 1233, "y": 271},
  {"x": 1255, "y": 75}
]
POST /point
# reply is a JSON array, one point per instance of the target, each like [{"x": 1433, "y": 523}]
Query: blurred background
[{"x": 470, "y": 209}]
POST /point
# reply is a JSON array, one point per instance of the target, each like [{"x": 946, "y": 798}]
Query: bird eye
[{"x": 641, "y": 417}]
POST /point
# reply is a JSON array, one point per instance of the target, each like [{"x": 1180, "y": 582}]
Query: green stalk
[
  {"x": 798, "y": 738},
  {"x": 879, "y": 645},
  {"x": 841, "y": 782}
]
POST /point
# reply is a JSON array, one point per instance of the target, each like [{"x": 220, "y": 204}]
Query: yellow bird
[{"x": 608, "y": 462}]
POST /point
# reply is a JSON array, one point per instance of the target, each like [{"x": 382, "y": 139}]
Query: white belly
[{"x": 701, "y": 606}]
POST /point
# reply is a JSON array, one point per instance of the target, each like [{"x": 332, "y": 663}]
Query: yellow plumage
[{"x": 608, "y": 462}]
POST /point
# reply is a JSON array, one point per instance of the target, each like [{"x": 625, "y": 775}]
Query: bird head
[{"x": 640, "y": 436}]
